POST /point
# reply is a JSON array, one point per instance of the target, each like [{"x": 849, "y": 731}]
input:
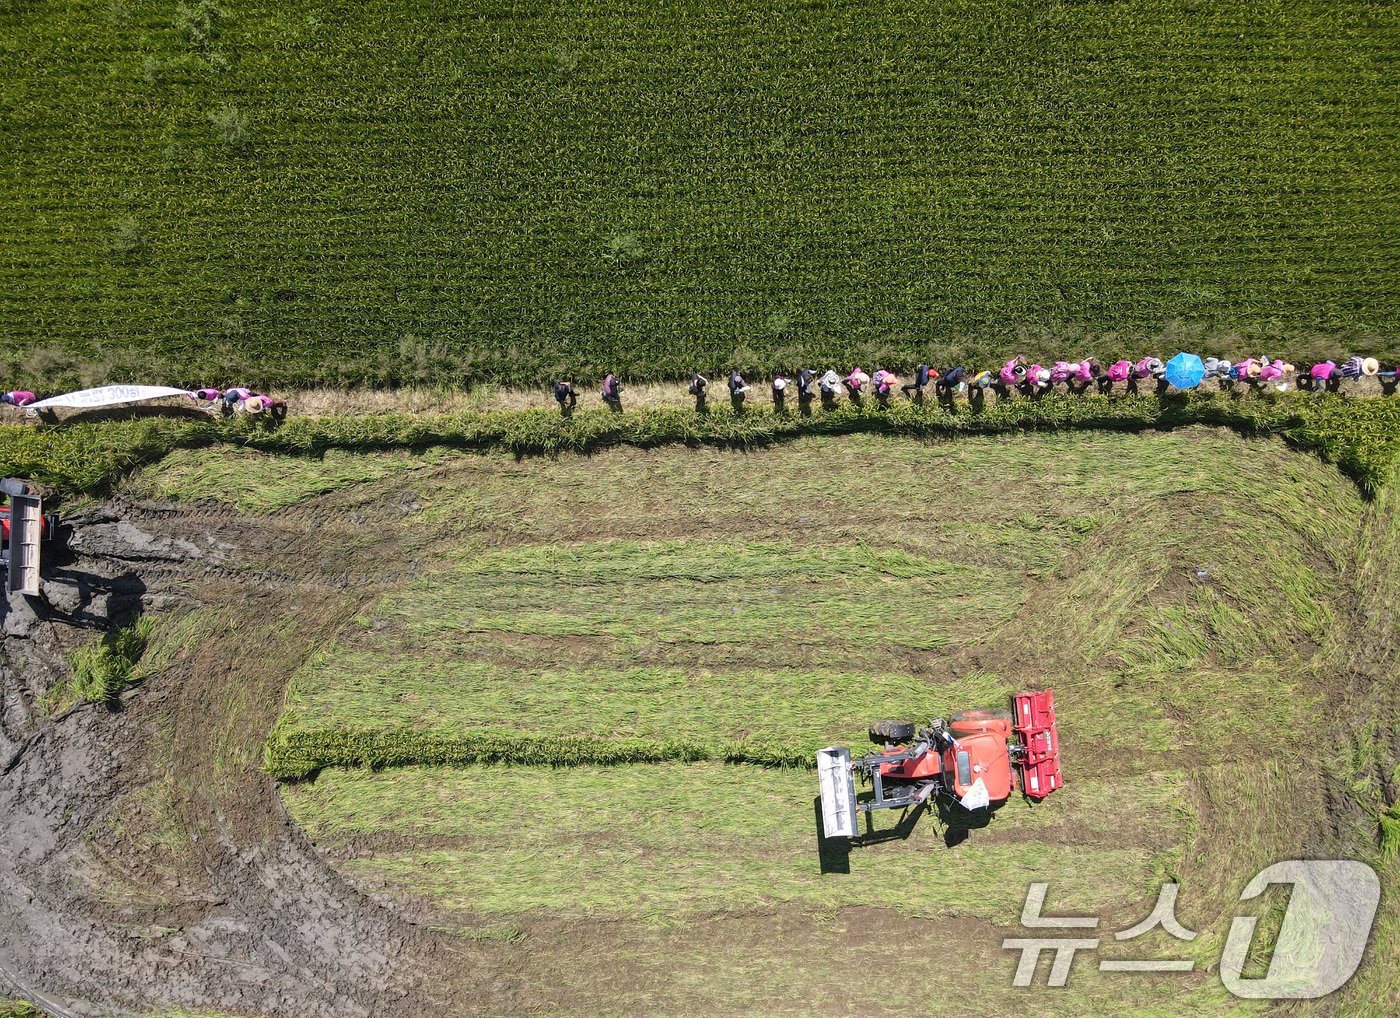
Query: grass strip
[{"x": 1362, "y": 437}]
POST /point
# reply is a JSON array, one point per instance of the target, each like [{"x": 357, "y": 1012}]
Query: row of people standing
[{"x": 1015, "y": 377}]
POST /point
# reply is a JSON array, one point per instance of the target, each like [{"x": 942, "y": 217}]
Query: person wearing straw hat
[
  {"x": 1370, "y": 368},
  {"x": 829, "y": 384},
  {"x": 256, "y": 403},
  {"x": 1249, "y": 371},
  {"x": 1353, "y": 368},
  {"x": 1277, "y": 373},
  {"x": 855, "y": 382},
  {"x": 1350, "y": 368},
  {"x": 1149, "y": 367}
]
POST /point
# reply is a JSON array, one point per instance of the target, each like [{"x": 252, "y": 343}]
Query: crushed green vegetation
[
  {"x": 688, "y": 643},
  {"x": 123, "y": 657},
  {"x": 747, "y": 840},
  {"x": 101, "y": 671},
  {"x": 635, "y": 654}
]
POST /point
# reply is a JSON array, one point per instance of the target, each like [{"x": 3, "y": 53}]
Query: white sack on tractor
[{"x": 976, "y": 797}]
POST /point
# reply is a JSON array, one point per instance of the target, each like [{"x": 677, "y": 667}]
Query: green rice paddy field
[
  {"x": 584, "y": 727},
  {"x": 298, "y": 193}
]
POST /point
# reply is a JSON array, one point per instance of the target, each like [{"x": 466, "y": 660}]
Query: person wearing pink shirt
[{"x": 1117, "y": 372}]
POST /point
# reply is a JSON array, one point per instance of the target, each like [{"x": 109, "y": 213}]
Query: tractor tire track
[{"x": 257, "y": 920}]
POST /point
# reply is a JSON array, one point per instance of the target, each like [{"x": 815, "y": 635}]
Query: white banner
[{"x": 108, "y": 395}]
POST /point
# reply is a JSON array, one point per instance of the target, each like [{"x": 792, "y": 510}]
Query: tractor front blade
[{"x": 838, "y": 792}]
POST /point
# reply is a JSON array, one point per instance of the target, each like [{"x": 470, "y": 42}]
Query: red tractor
[
  {"x": 971, "y": 761},
  {"x": 24, "y": 529},
  {"x": 48, "y": 526}
]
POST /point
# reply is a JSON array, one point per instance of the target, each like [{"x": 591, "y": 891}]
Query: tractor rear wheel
[{"x": 891, "y": 731}]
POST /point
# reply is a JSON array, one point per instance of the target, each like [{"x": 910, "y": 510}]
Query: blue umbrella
[{"x": 1185, "y": 371}]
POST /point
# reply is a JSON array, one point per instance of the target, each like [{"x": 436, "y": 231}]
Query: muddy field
[{"x": 213, "y": 899}]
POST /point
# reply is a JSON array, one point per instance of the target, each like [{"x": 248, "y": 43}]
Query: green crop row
[
  {"x": 293, "y": 752},
  {"x": 1361, "y": 436},
  {"x": 393, "y": 191}
]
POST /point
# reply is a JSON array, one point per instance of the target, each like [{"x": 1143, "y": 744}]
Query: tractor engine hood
[{"x": 980, "y": 757}]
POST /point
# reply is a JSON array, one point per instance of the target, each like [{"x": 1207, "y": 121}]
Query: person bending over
[
  {"x": 780, "y": 385},
  {"x": 737, "y": 388},
  {"x": 923, "y": 374},
  {"x": 951, "y": 380}
]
